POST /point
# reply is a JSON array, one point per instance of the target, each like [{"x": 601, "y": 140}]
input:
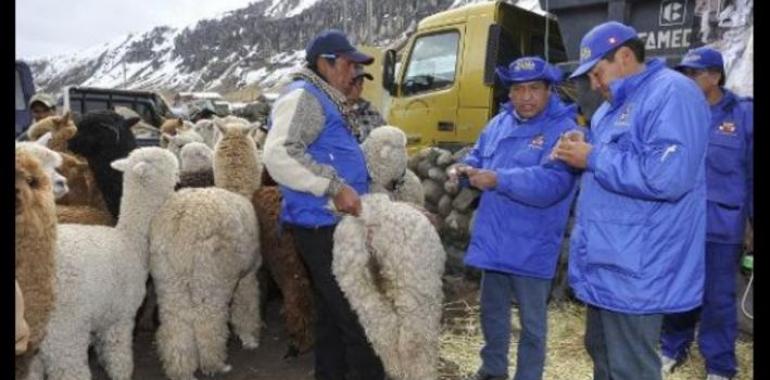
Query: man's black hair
[
  {"x": 314, "y": 67},
  {"x": 635, "y": 44}
]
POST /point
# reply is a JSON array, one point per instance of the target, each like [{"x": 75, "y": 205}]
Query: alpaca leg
[
  {"x": 146, "y": 318},
  {"x": 244, "y": 314},
  {"x": 299, "y": 315},
  {"x": 64, "y": 353},
  {"x": 210, "y": 325},
  {"x": 175, "y": 337},
  {"x": 115, "y": 344},
  {"x": 35, "y": 371}
]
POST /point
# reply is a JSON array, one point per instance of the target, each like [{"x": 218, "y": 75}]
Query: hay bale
[
  {"x": 433, "y": 192},
  {"x": 437, "y": 174},
  {"x": 464, "y": 200},
  {"x": 445, "y": 206}
]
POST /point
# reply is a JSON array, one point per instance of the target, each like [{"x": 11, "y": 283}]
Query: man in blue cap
[
  {"x": 522, "y": 214},
  {"x": 311, "y": 151},
  {"x": 729, "y": 183},
  {"x": 637, "y": 248}
]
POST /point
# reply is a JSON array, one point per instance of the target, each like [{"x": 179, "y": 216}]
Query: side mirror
[{"x": 389, "y": 72}]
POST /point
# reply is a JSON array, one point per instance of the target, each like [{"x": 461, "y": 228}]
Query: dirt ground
[{"x": 264, "y": 363}]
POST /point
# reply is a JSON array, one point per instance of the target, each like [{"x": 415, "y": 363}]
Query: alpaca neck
[{"x": 137, "y": 207}]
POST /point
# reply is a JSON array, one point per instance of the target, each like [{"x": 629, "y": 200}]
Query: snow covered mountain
[{"x": 256, "y": 45}]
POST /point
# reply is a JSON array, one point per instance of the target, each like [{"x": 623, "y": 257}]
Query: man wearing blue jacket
[
  {"x": 729, "y": 183},
  {"x": 522, "y": 214},
  {"x": 312, "y": 153},
  {"x": 637, "y": 248}
]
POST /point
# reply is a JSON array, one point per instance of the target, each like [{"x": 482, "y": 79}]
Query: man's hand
[
  {"x": 347, "y": 201},
  {"x": 482, "y": 179},
  {"x": 455, "y": 171},
  {"x": 573, "y": 152}
]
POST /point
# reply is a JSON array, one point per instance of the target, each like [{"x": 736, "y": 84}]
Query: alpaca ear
[
  {"x": 120, "y": 165},
  {"x": 180, "y": 122},
  {"x": 252, "y": 130},
  {"x": 44, "y": 139},
  {"x": 67, "y": 117}
]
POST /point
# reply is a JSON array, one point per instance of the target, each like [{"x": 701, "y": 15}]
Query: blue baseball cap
[
  {"x": 334, "y": 43},
  {"x": 527, "y": 69},
  {"x": 702, "y": 58},
  {"x": 599, "y": 41}
]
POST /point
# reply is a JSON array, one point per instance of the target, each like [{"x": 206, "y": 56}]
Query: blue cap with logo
[
  {"x": 333, "y": 43},
  {"x": 702, "y": 58},
  {"x": 527, "y": 69},
  {"x": 599, "y": 41}
]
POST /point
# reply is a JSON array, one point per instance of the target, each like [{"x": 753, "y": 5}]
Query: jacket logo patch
[
  {"x": 727, "y": 128},
  {"x": 537, "y": 142},
  {"x": 624, "y": 119}
]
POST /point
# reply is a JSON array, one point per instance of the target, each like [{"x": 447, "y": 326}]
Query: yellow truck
[{"x": 446, "y": 89}]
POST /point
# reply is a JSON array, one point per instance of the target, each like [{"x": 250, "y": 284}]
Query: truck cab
[{"x": 446, "y": 88}]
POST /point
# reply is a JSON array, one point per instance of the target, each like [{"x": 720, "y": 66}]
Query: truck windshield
[{"x": 432, "y": 64}]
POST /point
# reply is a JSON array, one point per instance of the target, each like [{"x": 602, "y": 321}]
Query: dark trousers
[
  {"x": 497, "y": 292},
  {"x": 718, "y": 316},
  {"x": 623, "y": 346},
  {"x": 342, "y": 351}
]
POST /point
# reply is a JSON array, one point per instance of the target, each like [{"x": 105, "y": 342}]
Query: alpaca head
[
  {"x": 386, "y": 156},
  {"x": 234, "y": 131},
  {"x": 173, "y": 126},
  {"x": 104, "y": 134},
  {"x": 196, "y": 157},
  {"x": 205, "y": 128},
  {"x": 33, "y": 185},
  {"x": 49, "y": 161},
  {"x": 155, "y": 170},
  {"x": 62, "y": 127},
  {"x": 175, "y": 143}
]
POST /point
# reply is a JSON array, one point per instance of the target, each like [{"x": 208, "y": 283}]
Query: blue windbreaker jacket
[
  {"x": 730, "y": 169},
  {"x": 520, "y": 223},
  {"x": 638, "y": 245}
]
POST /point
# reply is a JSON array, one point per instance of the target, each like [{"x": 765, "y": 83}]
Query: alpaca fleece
[
  {"x": 386, "y": 159},
  {"x": 389, "y": 263}
]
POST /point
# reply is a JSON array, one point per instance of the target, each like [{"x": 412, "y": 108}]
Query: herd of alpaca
[{"x": 96, "y": 217}]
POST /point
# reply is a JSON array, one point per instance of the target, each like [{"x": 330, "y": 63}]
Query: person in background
[
  {"x": 313, "y": 154},
  {"x": 522, "y": 214},
  {"x": 637, "y": 248},
  {"x": 729, "y": 189},
  {"x": 42, "y": 105},
  {"x": 363, "y": 116}
]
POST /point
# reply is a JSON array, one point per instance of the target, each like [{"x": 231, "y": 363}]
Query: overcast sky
[{"x": 49, "y": 27}]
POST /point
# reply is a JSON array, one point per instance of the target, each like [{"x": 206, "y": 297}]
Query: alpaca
[
  {"x": 386, "y": 158},
  {"x": 35, "y": 246},
  {"x": 176, "y": 142},
  {"x": 101, "y": 273},
  {"x": 105, "y": 136},
  {"x": 170, "y": 127},
  {"x": 198, "y": 268},
  {"x": 61, "y": 127},
  {"x": 389, "y": 263},
  {"x": 49, "y": 160},
  {"x": 287, "y": 270},
  {"x": 206, "y": 129},
  {"x": 197, "y": 170}
]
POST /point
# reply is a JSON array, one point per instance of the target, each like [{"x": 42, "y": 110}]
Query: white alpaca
[
  {"x": 178, "y": 141},
  {"x": 389, "y": 263},
  {"x": 198, "y": 268},
  {"x": 101, "y": 275},
  {"x": 196, "y": 157},
  {"x": 386, "y": 158},
  {"x": 205, "y": 128}
]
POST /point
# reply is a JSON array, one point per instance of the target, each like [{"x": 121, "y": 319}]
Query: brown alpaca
[
  {"x": 170, "y": 127},
  {"x": 287, "y": 269},
  {"x": 35, "y": 247},
  {"x": 62, "y": 129}
]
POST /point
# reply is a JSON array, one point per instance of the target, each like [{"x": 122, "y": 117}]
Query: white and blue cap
[
  {"x": 599, "y": 41},
  {"x": 702, "y": 58},
  {"x": 333, "y": 43},
  {"x": 527, "y": 69}
]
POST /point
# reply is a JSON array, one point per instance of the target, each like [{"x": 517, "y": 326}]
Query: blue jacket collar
[
  {"x": 527, "y": 127},
  {"x": 621, "y": 88},
  {"x": 729, "y": 99}
]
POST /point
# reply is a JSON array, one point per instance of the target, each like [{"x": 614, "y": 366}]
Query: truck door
[{"x": 425, "y": 107}]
